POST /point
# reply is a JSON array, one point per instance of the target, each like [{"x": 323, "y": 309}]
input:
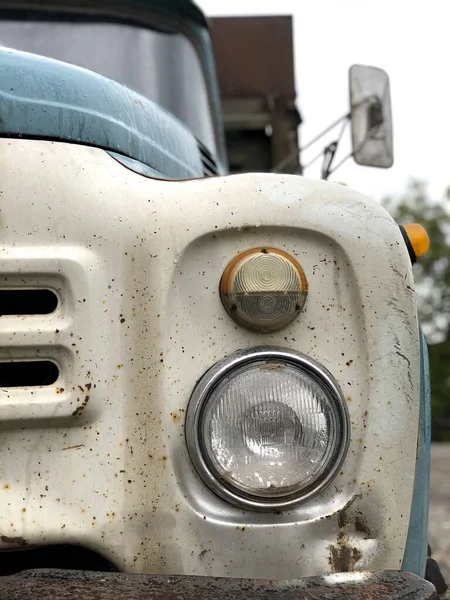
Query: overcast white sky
[{"x": 409, "y": 39}]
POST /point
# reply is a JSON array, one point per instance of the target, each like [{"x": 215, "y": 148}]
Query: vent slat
[{"x": 209, "y": 163}]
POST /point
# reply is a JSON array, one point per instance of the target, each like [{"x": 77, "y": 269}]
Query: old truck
[{"x": 211, "y": 386}]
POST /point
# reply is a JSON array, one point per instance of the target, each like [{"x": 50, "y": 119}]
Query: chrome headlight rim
[{"x": 199, "y": 398}]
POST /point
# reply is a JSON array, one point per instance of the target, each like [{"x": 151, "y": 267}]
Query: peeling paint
[{"x": 352, "y": 523}]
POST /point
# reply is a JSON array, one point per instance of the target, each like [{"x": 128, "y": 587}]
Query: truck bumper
[{"x": 84, "y": 585}]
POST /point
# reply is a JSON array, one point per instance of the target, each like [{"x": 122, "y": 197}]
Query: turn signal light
[
  {"x": 263, "y": 289},
  {"x": 416, "y": 239}
]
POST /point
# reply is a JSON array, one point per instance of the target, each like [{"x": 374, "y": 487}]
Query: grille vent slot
[
  {"x": 31, "y": 373},
  {"x": 209, "y": 163},
  {"x": 20, "y": 302}
]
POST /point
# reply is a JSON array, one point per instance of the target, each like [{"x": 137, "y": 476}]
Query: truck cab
[
  {"x": 159, "y": 50},
  {"x": 209, "y": 384}
]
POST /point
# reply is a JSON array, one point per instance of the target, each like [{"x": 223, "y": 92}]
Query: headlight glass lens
[{"x": 271, "y": 431}]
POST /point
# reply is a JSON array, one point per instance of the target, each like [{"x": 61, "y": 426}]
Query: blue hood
[{"x": 41, "y": 98}]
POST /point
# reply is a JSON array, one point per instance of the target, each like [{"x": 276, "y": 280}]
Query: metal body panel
[
  {"x": 415, "y": 557},
  {"x": 181, "y": 16},
  {"x": 48, "y": 99},
  {"x": 99, "y": 459},
  {"x": 72, "y": 585}
]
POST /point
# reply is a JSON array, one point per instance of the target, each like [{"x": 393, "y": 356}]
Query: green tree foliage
[{"x": 432, "y": 276}]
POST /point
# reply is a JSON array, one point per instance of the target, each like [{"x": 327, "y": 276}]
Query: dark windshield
[{"x": 164, "y": 67}]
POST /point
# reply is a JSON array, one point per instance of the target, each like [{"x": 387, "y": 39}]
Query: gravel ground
[{"x": 439, "y": 520}]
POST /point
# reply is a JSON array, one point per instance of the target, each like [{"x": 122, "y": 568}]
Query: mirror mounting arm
[
  {"x": 376, "y": 119},
  {"x": 345, "y": 119},
  {"x": 369, "y": 136},
  {"x": 328, "y": 157},
  {"x": 330, "y": 152}
]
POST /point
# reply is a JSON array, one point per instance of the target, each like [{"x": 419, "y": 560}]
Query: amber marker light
[
  {"x": 416, "y": 240},
  {"x": 263, "y": 289}
]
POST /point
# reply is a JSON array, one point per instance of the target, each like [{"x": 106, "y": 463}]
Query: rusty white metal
[{"x": 100, "y": 458}]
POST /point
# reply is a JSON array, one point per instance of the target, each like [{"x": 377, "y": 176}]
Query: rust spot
[
  {"x": 352, "y": 523},
  {"x": 345, "y": 514},
  {"x": 19, "y": 541},
  {"x": 361, "y": 525},
  {"x": 349, "y": 362},
  {"x": 241, "y": 528},
  {"x": 343, "y": 558},
  {"x": 163, "y": 458},
  {"x": 59, "y": 390},
  {"x": 176, "y": 417},
  {"x": 24, "y": 509},
  {"x": 88, "y": 386},
  {"x": 122, "y": 320},
  {"x": 6, "y": 487},
  {"x": 364, "y": 419},
  {"x": 77, "y": 412}
]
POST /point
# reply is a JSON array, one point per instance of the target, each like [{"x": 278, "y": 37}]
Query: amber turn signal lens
[
  {"x": 416, "y": 240},
  {"x": 418, "y": 237},
  {"x": 263, "y": 289}
]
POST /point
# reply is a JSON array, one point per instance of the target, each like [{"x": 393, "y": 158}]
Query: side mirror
[{"x": 371, "y": 117}]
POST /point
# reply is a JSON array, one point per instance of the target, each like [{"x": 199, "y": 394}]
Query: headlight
[
  {"x": 267, "y": 428},
  {"x": 263, "y": 289}
]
